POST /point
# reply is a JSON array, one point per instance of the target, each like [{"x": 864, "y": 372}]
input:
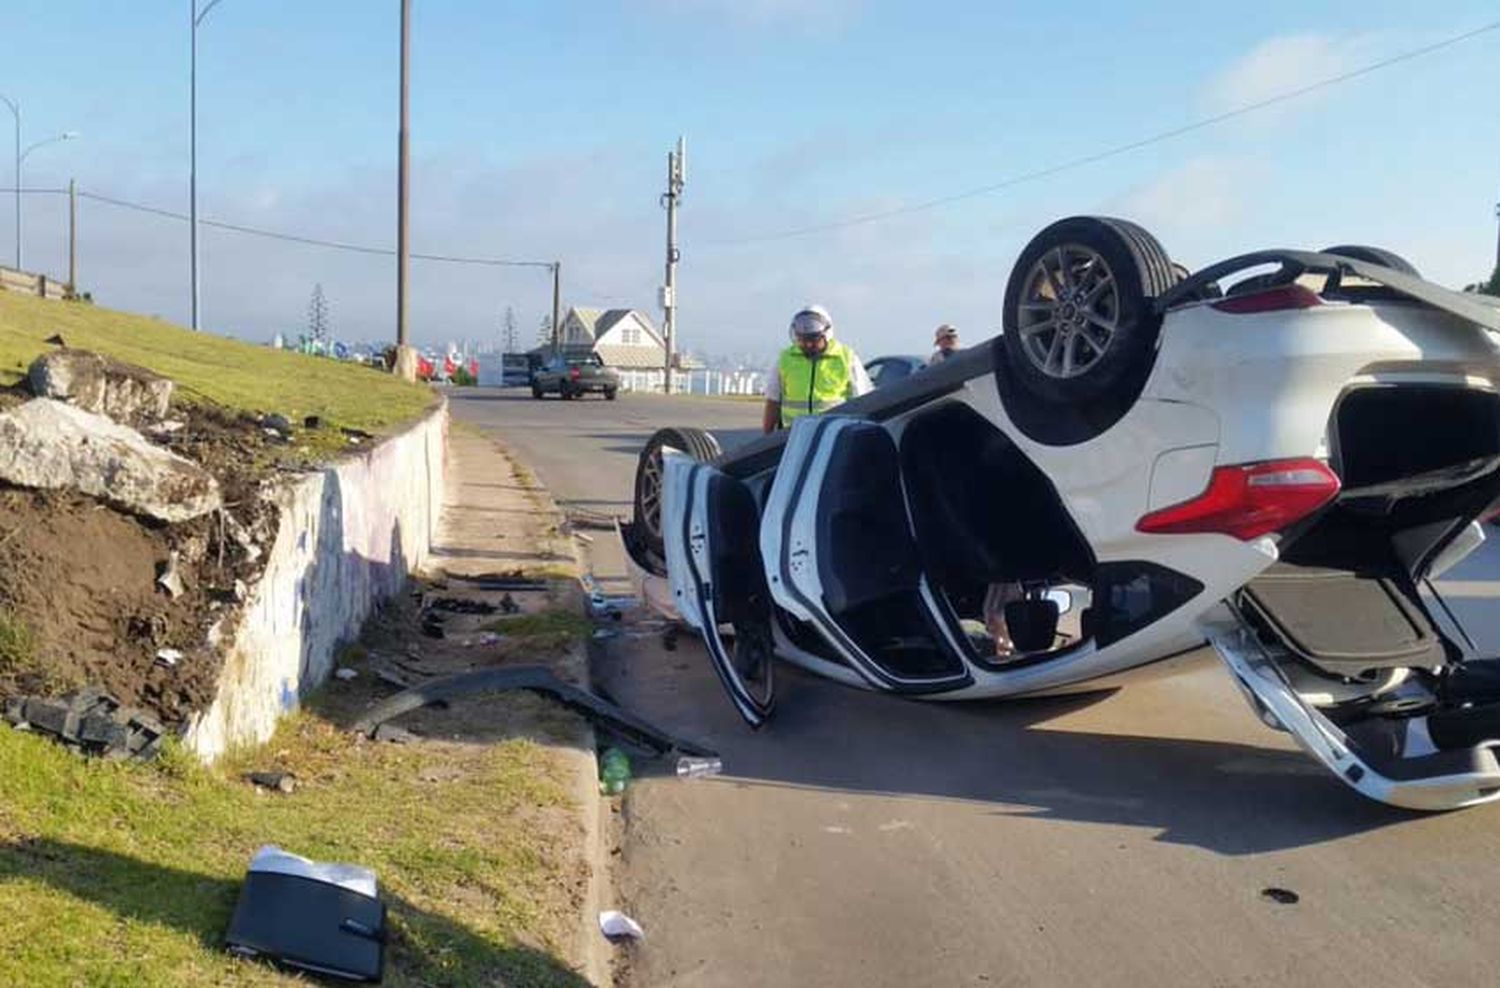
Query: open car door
[
  {"x": 840, "y": 555},
  {"x": 713, "y": 557}
]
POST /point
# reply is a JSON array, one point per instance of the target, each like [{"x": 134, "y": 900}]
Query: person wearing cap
[
  {"x": 946, "y": 342},
  {"x": 812, "y": 375}
]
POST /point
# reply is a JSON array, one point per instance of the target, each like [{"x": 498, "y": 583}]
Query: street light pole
[
  {"x": 195, "y": 17},
  {"x": 405, "y": 364},
  {"x": 15, "y": 110},
  {"x": 66, "y": 135}
]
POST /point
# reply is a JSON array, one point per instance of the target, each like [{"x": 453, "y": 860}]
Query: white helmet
[{"x": 812, "y": 320}]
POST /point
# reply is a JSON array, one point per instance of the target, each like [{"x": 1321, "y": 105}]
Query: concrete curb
[{"x": 589, "y": 946}]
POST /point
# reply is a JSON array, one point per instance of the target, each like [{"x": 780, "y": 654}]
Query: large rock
[
  {"x": 96, "y": 383},
  {"x": 52, "y": 445}
]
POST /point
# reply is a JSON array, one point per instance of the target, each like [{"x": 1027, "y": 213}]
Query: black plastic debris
[
  {"x": 279, "y": 781},
  {"x": 1285, "y": 897},
  {"x": 508, "y": 605},
  {"x": 457, "y": 605},
  {"x": 537, "y": 679},
  {"x": 432, "y": 626},
  {"x": 327, "y": 919},
  {"x": 312, "y": 422},
  {"x": 91, "y": 721}
]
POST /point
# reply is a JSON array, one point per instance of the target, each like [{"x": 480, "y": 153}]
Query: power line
[
  {"x": 309, "y": 241},
  {"x": 1118, "y": 149}
]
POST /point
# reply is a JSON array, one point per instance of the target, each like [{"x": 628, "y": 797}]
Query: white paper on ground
[
  {"x": 352, "y": 877},
  {"x": 614, "y": 924}
]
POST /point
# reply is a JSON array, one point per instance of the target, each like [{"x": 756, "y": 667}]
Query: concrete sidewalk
[{"x": 498, "y": 520}]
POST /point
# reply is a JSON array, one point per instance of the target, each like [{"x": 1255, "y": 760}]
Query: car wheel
[
  {"x": 536, "y": 391},
  {"x": 650, "y": 472},
  {"x": 564, "y": 392},
  {"x": 1375, "y": 255},
  {"x": 1078, "y": 316},
  {"x": 609, "y": 394}
]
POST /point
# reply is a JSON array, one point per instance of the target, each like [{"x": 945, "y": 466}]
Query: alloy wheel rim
[{"x": 1069, "y": 311}]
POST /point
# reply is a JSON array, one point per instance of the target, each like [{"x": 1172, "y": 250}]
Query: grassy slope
[
  {"x": 119, "y": 874},
  {"x": 208, "y": 367}
]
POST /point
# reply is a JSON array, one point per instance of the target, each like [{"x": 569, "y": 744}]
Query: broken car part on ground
[{"x": 1277, "y": 455}]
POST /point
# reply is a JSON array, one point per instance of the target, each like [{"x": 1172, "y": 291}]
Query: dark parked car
[
  {"x": 885, "y": 371},
  {"x": 569, "y": 377}
]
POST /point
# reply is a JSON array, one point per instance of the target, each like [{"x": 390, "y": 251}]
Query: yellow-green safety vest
[{"x": 810, "y": 385}]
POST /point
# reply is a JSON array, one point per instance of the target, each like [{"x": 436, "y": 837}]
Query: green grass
[
  {"x": 559, "y": 622},
  {"x": 122, "y": 874},
  {"x": 211, "y": 368}
]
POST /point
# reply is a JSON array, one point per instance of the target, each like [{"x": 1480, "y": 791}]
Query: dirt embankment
[{"x": 79, "y": 592}]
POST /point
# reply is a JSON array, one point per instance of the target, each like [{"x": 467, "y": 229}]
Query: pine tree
[
  {"x": 317, "y": 315},
  {"x": 544, "y": 332}
]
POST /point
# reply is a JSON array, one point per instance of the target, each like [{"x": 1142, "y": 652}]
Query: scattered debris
[
  {"x": 56, "y": 339},
  {"x": 170, "y": 579},
  {"x": 1285, "y": 897},
  {"x": 697, "y": 767},
  {"x": 432, "y": 626},
  {"x": 586, "y": 539},
  {"x": 91, "y": 721},
  {"x": 166, "y": 428},
  {"x": 603, "y": 633},
  {"x": 52, "y": 445},
  {"x": 536, "y": 679},
  {"x": 614, "y": 771},
  {"x": 669, "y": 639},
  {"x": 312, "y": 422},
  {"x": 395, "y": 735},
  {"x": 617, "y": 926},
  {"x": 491, "y": 638},
  {"x": 508, "y": 605},
  {"x": 356, "y": 435},
  {"x": 455, "y": 605},
  {"x": 168, "y": 657},
  {"x": 276, "y": 422},
  {"x": 345, "y": 673},
  {"x": 503, "y": 581},
  {"x": 327, "y": 919},
  {"x": 279, "y": 781}
]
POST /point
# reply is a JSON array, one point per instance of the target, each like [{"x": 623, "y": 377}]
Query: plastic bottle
[
  {"x": 614, "y": 771},
  {"x": 693, "y": 767}
]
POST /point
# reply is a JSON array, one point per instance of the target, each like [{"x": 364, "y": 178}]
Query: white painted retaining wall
[{"x": 349, "y": 536}]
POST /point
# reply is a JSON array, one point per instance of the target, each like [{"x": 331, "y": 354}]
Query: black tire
[
  {"x": 1375, "y": 255},
  {"x": 610, "y": 393},
  {"x": 565, "y": 393},
  {"x": 536, "y": 391},
  {"x": 1138, "y": 270},
  {"x": 696, "y": 443}
]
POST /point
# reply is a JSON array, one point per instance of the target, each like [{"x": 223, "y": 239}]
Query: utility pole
[
  {"x": 15, "y": 109},
  {"x": 676, "y": 178},
  {"x": 406, "y": 364},
  {"x": 556, "y": 304},
  {"x": 72, "y": 238}
]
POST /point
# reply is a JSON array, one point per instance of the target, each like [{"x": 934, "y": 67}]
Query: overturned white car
[{"x": 1274, "y": 454}]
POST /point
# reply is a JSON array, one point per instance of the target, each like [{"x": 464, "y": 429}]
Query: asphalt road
[{"x": 1121, "y": 838}]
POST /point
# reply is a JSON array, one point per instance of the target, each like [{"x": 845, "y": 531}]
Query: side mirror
[{"x": 1032, "y": 624}]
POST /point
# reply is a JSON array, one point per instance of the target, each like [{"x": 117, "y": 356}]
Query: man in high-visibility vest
[{"x": 812, "y": 375}]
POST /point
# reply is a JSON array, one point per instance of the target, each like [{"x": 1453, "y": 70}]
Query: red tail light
[
  {"x": 1249, "y": 501},
  {"x": 1271, "y": 300},
  {"x": 574, "y": 373}
]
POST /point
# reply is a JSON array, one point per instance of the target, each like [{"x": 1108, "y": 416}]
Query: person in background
[
  {"x": 812, "y": 375},
  {"x": 946, "y": 342}
]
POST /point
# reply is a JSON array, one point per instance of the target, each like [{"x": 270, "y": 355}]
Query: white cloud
[
  {"x": 1201, "y": 192},
  {"x": 1286, "y": 63}
]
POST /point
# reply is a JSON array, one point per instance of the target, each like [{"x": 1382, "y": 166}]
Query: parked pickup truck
[{"x": 569, "y": 377}]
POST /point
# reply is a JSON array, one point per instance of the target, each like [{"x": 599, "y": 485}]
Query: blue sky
[{"x": 540, "y": 130}]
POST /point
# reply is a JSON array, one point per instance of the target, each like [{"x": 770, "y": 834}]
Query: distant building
[{"x": 625, "y": 339}]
